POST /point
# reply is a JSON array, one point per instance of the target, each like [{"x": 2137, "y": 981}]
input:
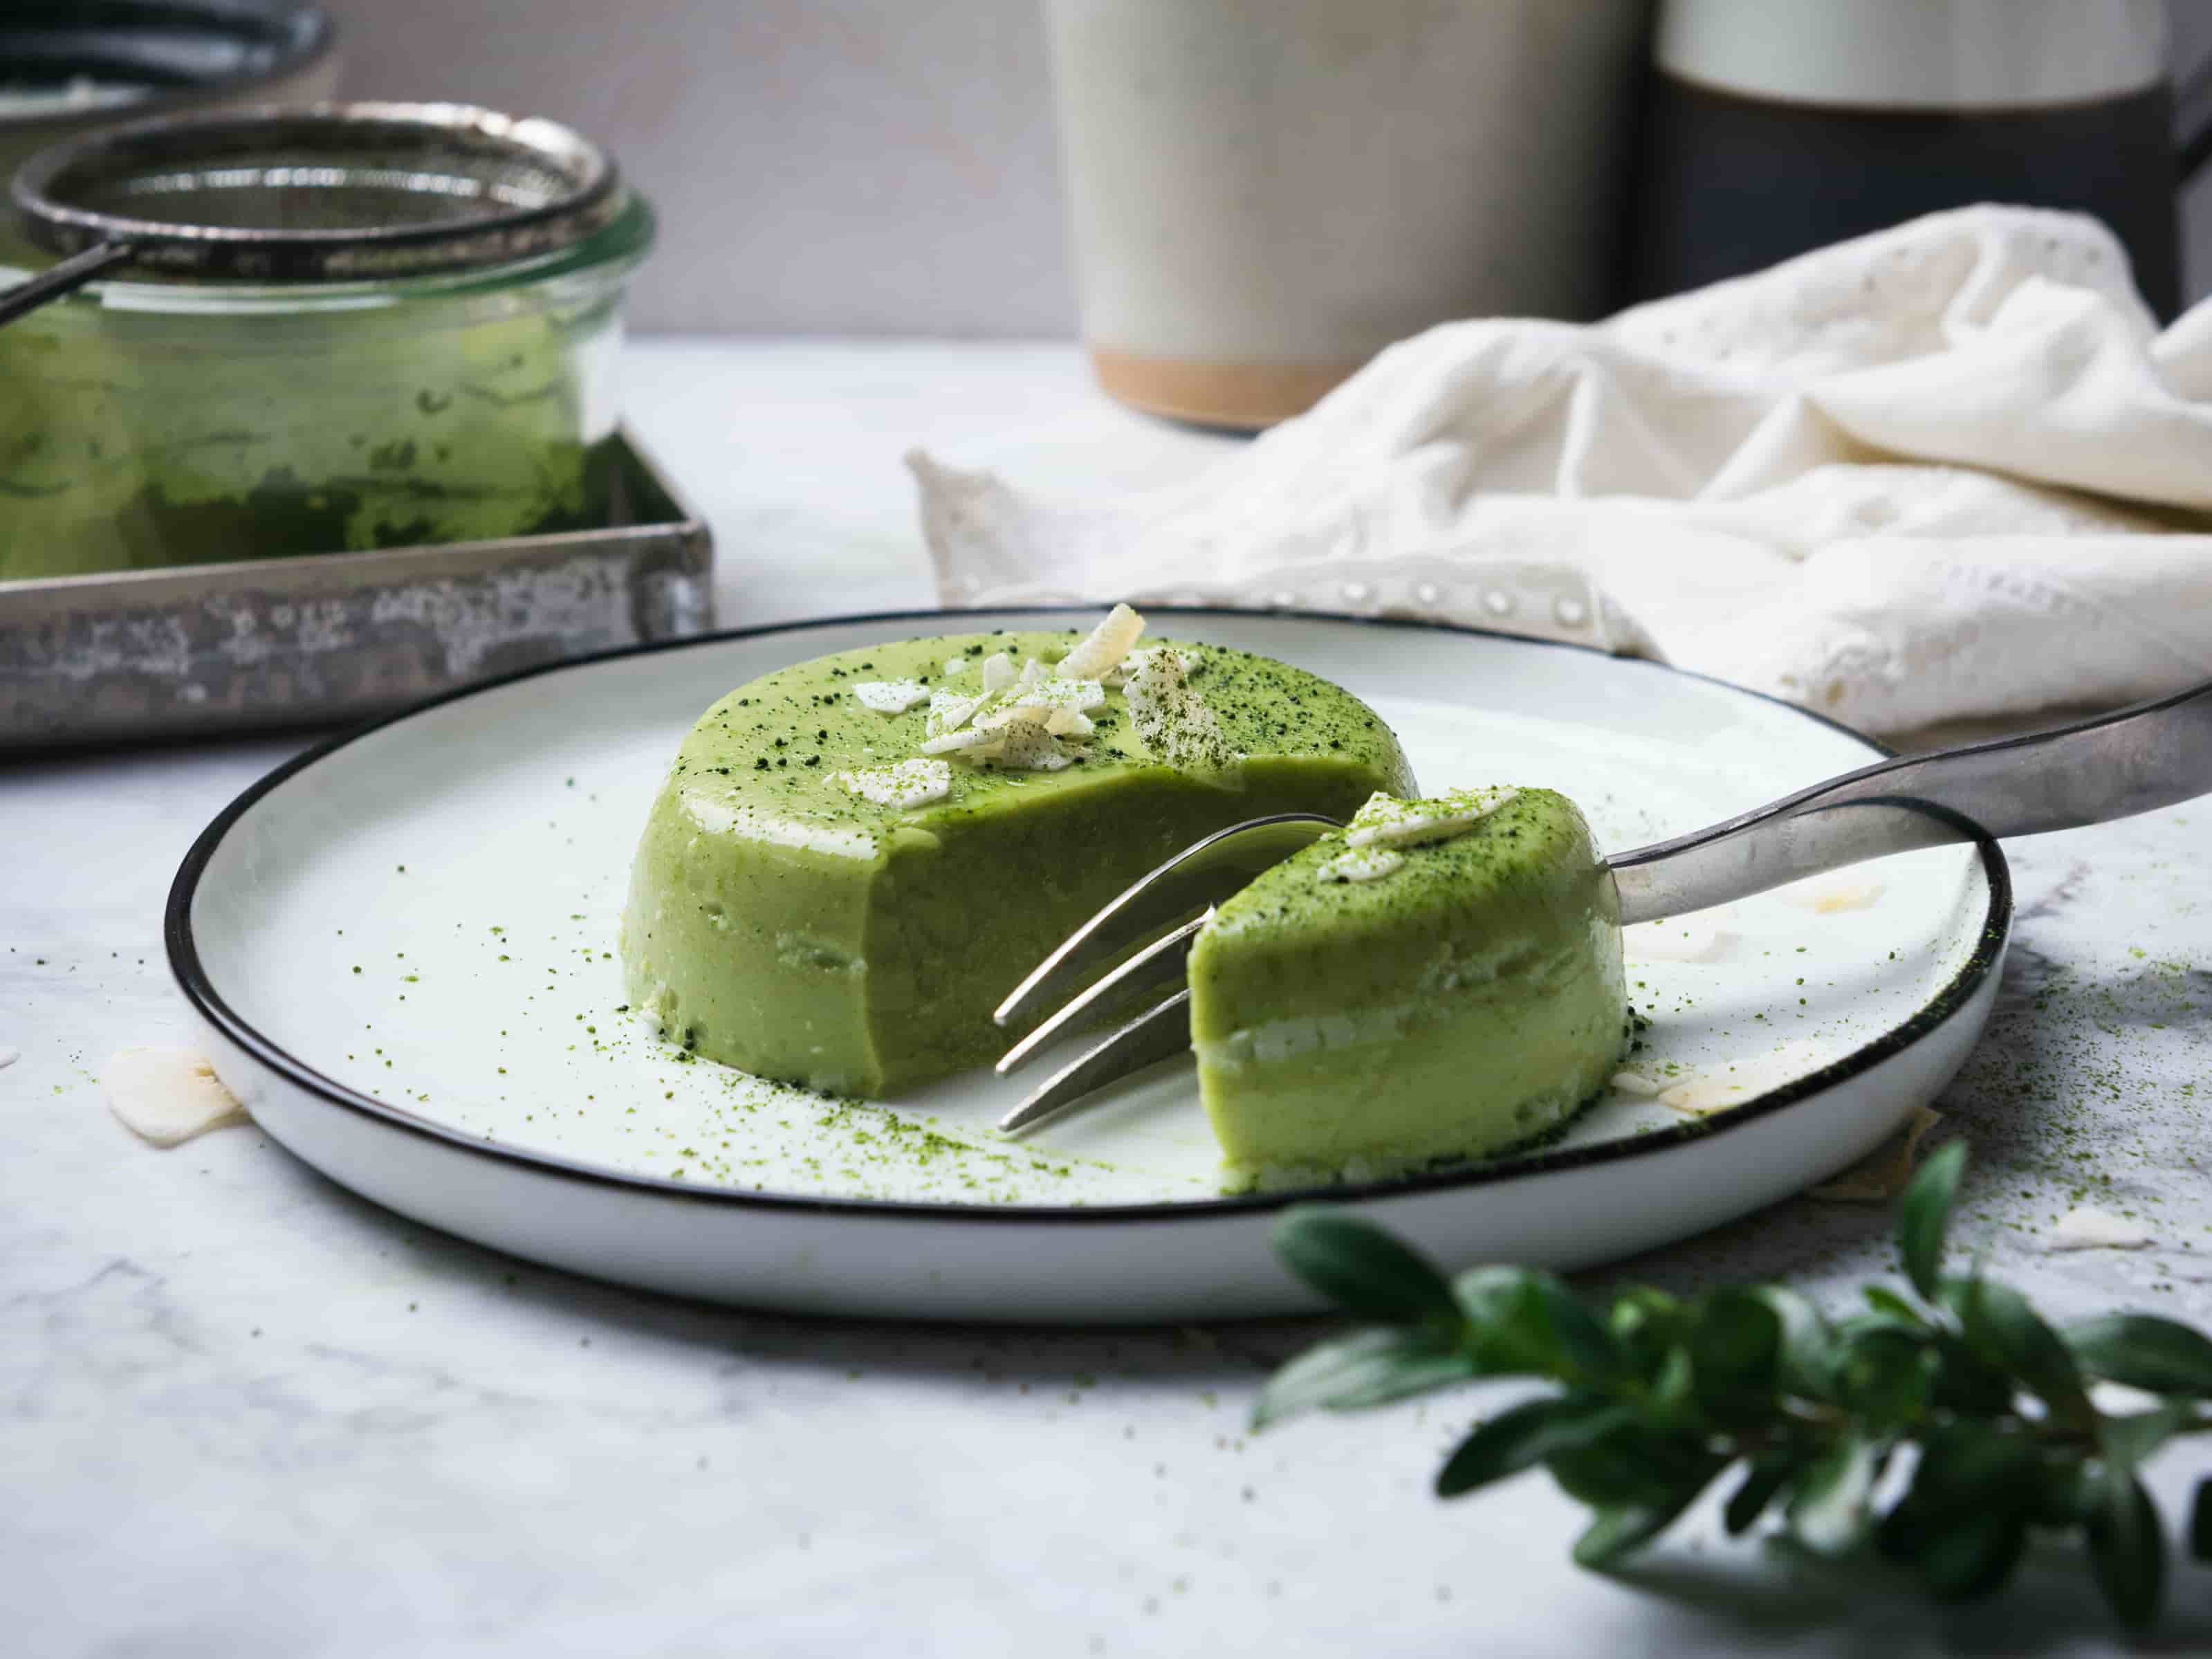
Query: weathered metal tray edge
[{"x": 193, "y": 651}]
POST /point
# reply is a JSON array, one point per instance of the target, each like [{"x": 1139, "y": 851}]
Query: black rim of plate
[{"x": 193, "y": 978}]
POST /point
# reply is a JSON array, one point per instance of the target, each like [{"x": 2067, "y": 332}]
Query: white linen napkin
[{"x": 1949, "y": 471}]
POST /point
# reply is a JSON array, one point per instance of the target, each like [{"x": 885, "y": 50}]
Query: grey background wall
[{"x": 828, "y": 166}]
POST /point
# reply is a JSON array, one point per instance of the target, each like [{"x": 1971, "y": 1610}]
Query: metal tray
[{"x": 197, "y": 650}]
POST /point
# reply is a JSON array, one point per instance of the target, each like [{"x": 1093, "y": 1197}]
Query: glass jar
[{"x": 149, "y": 423}]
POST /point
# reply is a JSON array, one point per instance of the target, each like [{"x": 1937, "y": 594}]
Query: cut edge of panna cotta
[
  {"x": 1441, "y": 980},
  {"x": 854, "y": 858}
]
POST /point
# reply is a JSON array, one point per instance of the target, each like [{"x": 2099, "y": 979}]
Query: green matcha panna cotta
[
  {"x": 854, "y": 858},
  {"x": 1440, "y": 980}
]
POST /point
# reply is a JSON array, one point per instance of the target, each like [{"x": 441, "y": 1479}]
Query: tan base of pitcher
[{"x": 1247, "y": 395}]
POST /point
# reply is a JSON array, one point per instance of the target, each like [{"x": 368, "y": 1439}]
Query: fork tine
[
  {"x": 1206, "y": 871},
  {"x": 1158, "y": 963},
  {"x": 1160, "y": 1033}
]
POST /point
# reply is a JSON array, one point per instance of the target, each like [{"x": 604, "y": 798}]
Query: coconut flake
[
  {"x": 1189, "y": 661},
  {"x": 2086, "y": 1227},
  {"x": 1361, "y": 864},
  {"x": 890, "y": 696},
  {"x": 167, "y": 1096},
  {"x": 1386, "y": 821},
  {"x": 1039, "y": 698},
  {"x": 1671, "y": 941},
  {"x": 909, "y": 783},
  {"x": 1174, "y": 722},
  {"x": 948, "y": 711},
  {"x": 955, "y": 665},
  {"x": 1060, "y": 691},
  {"x": 998, "y": 672},
  {"x": 965, "y": 742},
  {"x": 1096, "y": 654},
  {"x": 1026, "y": 746},
  {"x": 1033, "y": 673}
]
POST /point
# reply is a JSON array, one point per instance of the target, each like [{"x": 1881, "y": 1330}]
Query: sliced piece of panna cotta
[
  {"x": 1440, "y": 980},
  {"x": 854, "y": 858}
]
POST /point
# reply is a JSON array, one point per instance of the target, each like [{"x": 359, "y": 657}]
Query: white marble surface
[{"x": 245, "y": 1414}]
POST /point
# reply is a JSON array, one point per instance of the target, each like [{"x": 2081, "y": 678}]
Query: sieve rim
[{"x": 165, "y": 248}]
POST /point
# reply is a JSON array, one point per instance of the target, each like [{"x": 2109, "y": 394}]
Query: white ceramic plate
[{"x": 402, "y": 944}]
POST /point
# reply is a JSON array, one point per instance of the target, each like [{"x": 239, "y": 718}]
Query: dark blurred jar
[
  {"x": 1773, "y": 127},
  {"x": 73, "y": 66}
]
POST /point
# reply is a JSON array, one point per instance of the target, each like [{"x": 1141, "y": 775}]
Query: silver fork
[{"x": 2137, "y": 759}]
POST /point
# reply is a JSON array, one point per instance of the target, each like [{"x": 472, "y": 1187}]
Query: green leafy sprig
[{"x": 1657, "y": 1396}]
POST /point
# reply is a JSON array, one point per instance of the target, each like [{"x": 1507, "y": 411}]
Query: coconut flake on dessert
[
  {"x": 1026, "y": 746},
  {"x": 1189, "y": 661},
  {"x": 997, "y": 672},
  {"x": 1172, "y": 720},
  {"x": 1038, "y": 698},
  {"x": 1097, "y": 652},
  {"x": 955, "y": 665},
  {"x": 949, "y": 711},
  {"x": 1361, "y": 864},
  {"x": 963, "y": 741},
  {"x": 890, "y": 696},
  {"x": 1386, "y": 821},
  {"x": 909, "y": 783}
]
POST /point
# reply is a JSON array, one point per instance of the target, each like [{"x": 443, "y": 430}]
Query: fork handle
[{"x": 2137, "y": 760}]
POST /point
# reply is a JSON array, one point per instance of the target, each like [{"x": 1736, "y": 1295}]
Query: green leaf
[
  {"x": 2200, "y": 1520},
  {"x": 1883, "y": 1300},
  {"x": 1734, "y": 1344},
  {"x": 1593, "y": 1351},
  {"x": 1504, "y": 1308},
  {"x": 1631, "y": 1466},
  {"x": 1968, "y": 1384},
  {"x": 1885, "y": 1375},
  {"x": 2144, "y": 1352},
  {"x": 1369, "y": 1367},
  {"x": 1360, "y": 1267},
  {"x": 1968, "y": 1473},
  {"x": 1828, "y": 1510},
  {"x": 1526, "y": 1324},
  {"x": 1647, "y": 1323},
  {"x": 1807, "y": 1342},
  {"x": 2127, "y": 1552},
  {"x": 1618, "y": 1532},
  {"x": 1524, "y": 1436},
  {"x": 2060, "y": 1486},
  {"x": 1924, "y": 1212},
  {"x": 1973, "y": 1556},
  {"x": 1672, "y": 1404},
  {"x": 2000, "y": 1326},
  {"x": 1763, "y": 1480},
  {"x": 2126, "y": 1442},
  {"x": 1619, "y": 1529}
]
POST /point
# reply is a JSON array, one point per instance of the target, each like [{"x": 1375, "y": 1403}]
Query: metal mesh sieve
[{"x": 338, "y": 192}]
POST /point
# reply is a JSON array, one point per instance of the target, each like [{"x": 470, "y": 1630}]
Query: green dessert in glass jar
[{"x": 148, "y": 422}]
